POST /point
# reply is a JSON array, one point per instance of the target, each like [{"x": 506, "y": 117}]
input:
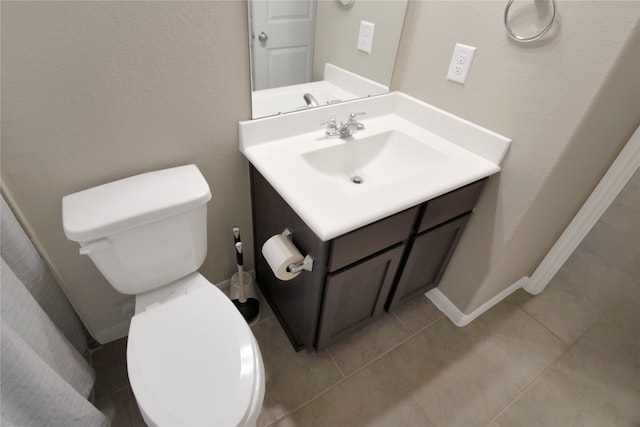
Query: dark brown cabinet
[
  {"x": 356, "y": 276},
  {"x": 355, "y": 296},
  {"x": 427, "y": 260}
]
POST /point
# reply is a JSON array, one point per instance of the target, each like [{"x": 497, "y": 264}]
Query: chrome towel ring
[{"x": 523, "y": 39}]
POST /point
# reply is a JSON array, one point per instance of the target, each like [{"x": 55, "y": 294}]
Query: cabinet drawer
[
  {"x": 451, "y": 205},
  {"x": 371, "y": 238}
]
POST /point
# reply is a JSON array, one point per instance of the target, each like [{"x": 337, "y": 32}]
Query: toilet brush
[{"x": 242, "y": 292}]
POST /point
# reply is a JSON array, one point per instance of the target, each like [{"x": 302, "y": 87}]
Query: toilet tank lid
[{"x": 119, "y": 205}]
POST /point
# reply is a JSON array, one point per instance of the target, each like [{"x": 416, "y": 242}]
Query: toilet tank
[{"x": 142, "y": 232}]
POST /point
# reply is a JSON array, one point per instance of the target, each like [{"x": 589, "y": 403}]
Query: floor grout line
[
  {"x": 347, "y": 377},
  {"x": 548, "y": 368},
  {"x": 335, "y": 363},
  {"x": 133, "y": 405},
  {"x": 545, "y": 327},
  {"x": 527, "y": 387},
  {"x": 401, "y": 322}
]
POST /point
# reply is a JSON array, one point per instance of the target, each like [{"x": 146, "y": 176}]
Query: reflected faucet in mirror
[
  {"x": 310, "y": 100},
  {"x": 301, "y": 47}
]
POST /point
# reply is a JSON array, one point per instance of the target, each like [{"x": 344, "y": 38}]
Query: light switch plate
[
  {"x": 460, "y": 63},
  {"x": 365, "y": 36}
]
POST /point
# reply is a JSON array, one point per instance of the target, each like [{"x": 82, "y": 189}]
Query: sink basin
[
  {"x": 409, "y": 152},
  {"x": 374, "y": 160}
]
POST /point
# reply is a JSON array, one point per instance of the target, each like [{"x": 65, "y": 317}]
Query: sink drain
[{"x": 357, "y": 179}]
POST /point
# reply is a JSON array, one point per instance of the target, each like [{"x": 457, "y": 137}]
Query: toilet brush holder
[
  {"x": 243, "y": 295},
  {"x": 247, "y": 282},
  {"x": 242, "y": 292}
]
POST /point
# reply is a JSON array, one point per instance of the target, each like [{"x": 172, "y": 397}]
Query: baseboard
[
  {"x": 619, "y": 173},
  {"x": 224, "y": 286},
  {"x": 461, "y": 319},
  {"x": 113, "y": 333}
]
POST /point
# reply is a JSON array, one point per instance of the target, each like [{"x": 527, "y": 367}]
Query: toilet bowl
[
  {"x": 187, "y": 355},
  {"x": 192, "y": 359}
]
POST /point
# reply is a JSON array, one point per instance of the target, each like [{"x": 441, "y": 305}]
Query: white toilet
[{"x": 191, "y": 357}]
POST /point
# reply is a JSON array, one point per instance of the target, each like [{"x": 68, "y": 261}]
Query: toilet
[{"x": 192, "y": 359}]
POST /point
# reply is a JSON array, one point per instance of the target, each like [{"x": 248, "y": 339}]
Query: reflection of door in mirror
[{"x": 282, "y": 35}]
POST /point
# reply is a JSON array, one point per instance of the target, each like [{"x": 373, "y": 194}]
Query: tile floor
[{"x": 569, "y": 356}]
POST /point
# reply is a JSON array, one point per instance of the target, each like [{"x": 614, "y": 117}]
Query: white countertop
[{"x": 331, "y": 205}]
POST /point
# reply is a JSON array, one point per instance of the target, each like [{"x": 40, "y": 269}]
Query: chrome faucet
[
  {"x": 310, "y": 100},
  {"x": 349, "y": 128}
]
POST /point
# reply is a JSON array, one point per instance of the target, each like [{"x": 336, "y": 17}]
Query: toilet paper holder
[{"x": 305, "y": 264}]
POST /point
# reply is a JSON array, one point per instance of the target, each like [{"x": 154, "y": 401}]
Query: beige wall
[
  {"x": 337, "y": 29},
  {"x": 95, "y": 91},
  {"x": 569, "y": 102}
]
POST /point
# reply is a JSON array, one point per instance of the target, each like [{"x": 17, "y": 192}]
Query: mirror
[{"x": 306, "y": 53}]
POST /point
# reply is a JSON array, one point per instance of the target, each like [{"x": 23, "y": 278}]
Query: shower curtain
[{"x": 44, "y": 380}]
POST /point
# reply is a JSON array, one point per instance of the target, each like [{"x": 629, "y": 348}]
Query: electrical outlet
[
  {"x": 365, "y": 37},
  {"x": 460, "y": 63}
]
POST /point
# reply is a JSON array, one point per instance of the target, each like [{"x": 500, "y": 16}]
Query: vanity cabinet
[
  {"x": 359, "y": 275},
  {"x": 362, "y": 269},
  {"x": 430, "y": 249},
  {"x": 355, "y": 296},
  {"x": 296, "y": 302},
  {"x": 428, "y": 256}
]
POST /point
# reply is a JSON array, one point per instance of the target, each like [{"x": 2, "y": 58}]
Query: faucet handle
[
  {"x": 332, "y": 127},
  {"x": 331, "y": 121},
  {"x": 352, "y": 116}
]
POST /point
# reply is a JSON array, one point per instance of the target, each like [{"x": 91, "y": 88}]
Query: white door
[{"x": 282, "y": 34}]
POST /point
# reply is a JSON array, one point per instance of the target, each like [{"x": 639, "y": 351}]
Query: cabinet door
[
  {"x": 356, "y": 295},
  {"x": 427, "y": 261}
]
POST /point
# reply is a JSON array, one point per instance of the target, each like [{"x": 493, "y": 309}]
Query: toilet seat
[{"x": 198, "y": 342}]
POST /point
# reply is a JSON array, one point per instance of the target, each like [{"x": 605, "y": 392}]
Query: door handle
[{"x": 263, "y": 37}]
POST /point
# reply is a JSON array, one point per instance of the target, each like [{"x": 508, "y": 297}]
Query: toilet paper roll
[{"x": 280, "y": 252}]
